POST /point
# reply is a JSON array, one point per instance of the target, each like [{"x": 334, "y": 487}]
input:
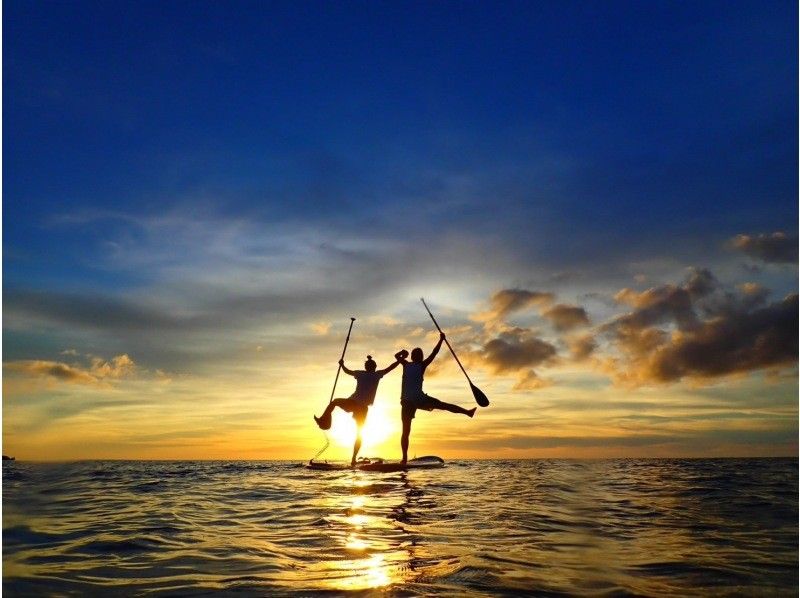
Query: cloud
[
  {"x": 515, "y": 350},
  {"x": 97, "y": 372},
  {"x": 566, "y": 317},
  {"x": 119, "y": 367},
  {"x": 167, "y": 331},
  {"x": 507, "y": 301},
  {"x": 384, "y": 320},
  {"x": 738, "y": 334},
  {"x": 743, "y": 342},
  {"x": 321, "y": 328},
  {"x": 205, "y": 286},
  {"x": 582, "y": 346},
  {"x": 665, "y": 302},
  {"x": 775, "y": 248},
  {"x": 749, "y": 295},
  {"x": 754, "y": 293},
  {"x": 530, "y": 380},
  {"x": 97, "y": 311},
  {"x": 698, "y": 330},
  {"x": 50, "y": 369},
  {"x": 700, "y": 283}
]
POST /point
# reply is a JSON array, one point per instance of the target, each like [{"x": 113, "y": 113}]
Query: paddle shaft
[
  {"x": 347, "y": 340},
  {"x": 435, "y": 323}
]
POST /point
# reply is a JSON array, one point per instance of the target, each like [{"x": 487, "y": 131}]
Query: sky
[{"x": 598, "y": 200}]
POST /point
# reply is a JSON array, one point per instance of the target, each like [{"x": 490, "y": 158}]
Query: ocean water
[{"x": 726, "y": 527}]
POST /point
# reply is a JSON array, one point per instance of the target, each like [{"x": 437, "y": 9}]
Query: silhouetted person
[
  {"x": 359, "y": 402},
  {"x": 412, "y": 397}
]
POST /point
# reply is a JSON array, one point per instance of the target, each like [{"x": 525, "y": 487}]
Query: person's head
[
  {"x": 369, "y": 364},
  {"x": 416, "y": 355}
]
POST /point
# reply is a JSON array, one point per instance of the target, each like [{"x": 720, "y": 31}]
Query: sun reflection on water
[
  {"x": 356, "y": 543},
  {"x": 634, "y": 527},
  {"x": 380, "y": 541},
  {"x": 363, "y": 574}
]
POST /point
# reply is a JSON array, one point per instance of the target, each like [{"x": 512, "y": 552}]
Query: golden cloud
[
  {"x": 566, "y": 317},
  {"x": 52, "y": 369},
  {"x": 97, "y": 372},
  {"x": 507, "y": 301}
]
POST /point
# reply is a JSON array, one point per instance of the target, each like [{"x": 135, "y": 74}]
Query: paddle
[
  {"x": 480, "y": 398},
  {"x": 347, "y": 340},
  {"x": 327, "y": 421}
]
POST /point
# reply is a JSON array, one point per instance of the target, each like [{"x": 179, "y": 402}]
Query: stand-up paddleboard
[
  {"x": 429, "y": 462},
  {"x": 379, "y": 465},
  {"x": 328, "y": 465}
]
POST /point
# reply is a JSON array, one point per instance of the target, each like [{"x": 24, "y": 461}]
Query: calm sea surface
[{"x": 474, "y": 528}]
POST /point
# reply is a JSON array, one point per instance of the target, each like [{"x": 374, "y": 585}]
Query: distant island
[{"x": 7, "y": 458}]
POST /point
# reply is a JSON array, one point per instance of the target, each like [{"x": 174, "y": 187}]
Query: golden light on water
[
  {"x": 370, "y": 544},
  {"x": 357, "y": 521},
  {"x": 367, "y": 573},
  {"x": 356, "y": 543}
]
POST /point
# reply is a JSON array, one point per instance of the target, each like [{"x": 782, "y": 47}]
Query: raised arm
[
  {"x": 435, "y": 351},
  {"x": 347, "y": 371},
  {"x": 385, "y": 371}
]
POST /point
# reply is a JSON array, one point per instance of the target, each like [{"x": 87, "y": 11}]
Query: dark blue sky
[
  {"x": 649, "y": 119},
  {"x": 564, "y": 136}
]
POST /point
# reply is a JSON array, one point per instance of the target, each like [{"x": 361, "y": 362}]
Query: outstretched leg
[
  {"x": 437, "y": 404},
  {"x": 404, "y": 438}
]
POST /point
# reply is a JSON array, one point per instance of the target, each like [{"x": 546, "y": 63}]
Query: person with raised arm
[
  {"x": 359, "y": 402},
  {"x": 412, "y": 397}
]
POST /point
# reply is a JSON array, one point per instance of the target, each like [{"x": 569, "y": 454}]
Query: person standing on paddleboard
[
  {"x": 359, "y": 402},
  {"x": 412, "y": 397}
]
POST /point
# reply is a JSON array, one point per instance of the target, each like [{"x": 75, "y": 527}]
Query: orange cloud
[
  {"x": 582, "y": 346},
  {"x": 99, "y": 370},
  {"x": 51, "y": 369},
  {"x": 119, "y": 367},
  {"x": 531, "y": 381},
  {"x": 736, "y": 335},
  {"x": 321, "y": 328},
  {"x": 507, "y": 301},
  {"x": 566, "y": 317}
]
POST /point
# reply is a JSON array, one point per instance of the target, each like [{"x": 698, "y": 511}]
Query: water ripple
[{"x": 476, "y": 528}]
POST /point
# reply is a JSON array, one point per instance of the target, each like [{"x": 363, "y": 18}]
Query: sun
[{"x": 378, "y": 429}]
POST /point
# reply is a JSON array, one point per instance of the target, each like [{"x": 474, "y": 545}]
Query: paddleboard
[{"x": 379, "y": 465}]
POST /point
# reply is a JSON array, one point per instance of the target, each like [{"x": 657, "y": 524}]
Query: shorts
[
  {"x": 424, "y": 402},
  {"x": 357, "y": 408}
]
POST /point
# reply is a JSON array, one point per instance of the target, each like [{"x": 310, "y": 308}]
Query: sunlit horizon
[{"x": 599, "y": 205}]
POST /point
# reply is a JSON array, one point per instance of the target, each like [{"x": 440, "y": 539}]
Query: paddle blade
[{"x": 480, "y": 398}]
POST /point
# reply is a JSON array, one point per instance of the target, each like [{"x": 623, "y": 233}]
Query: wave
[{"x": 474, "y": 528}]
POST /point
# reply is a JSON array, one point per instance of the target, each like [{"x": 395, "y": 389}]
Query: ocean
[{"x": 651, "y": 527}]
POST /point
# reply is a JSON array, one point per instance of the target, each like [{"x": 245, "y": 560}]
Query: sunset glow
[
  {"x": 606, "y": 231},
  {"x": 378, "y": 430}
]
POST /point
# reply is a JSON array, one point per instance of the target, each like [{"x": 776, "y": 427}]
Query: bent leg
[
  {"x": 324, "y": 420},
  {"x": 340, "y": 403}
]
